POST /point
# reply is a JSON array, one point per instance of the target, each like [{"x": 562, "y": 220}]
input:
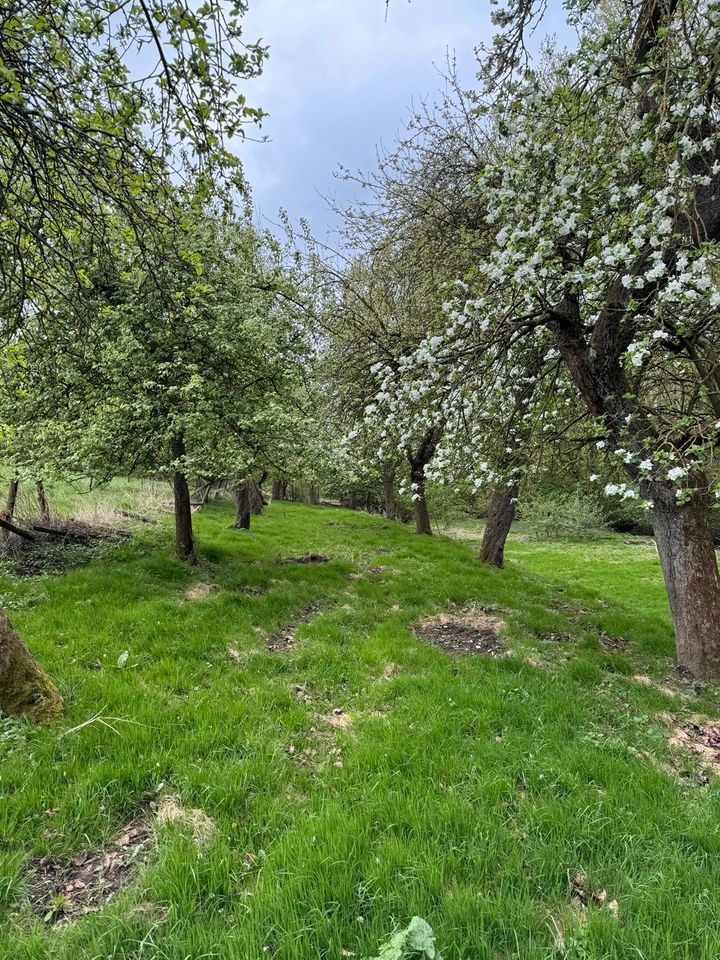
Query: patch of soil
[
  {"x": 463, "y": 634},
  {"x": 557, "y": 637},
  {"x": 199, "y": 590},
  {"x": 613, "y": 644},
  {"x": 63, "y": 890},
  {"x": 253, "y": 591},
  {"x": 323, "y": 751},
  {"x": 563, "y": 607},
  {"x": 306, "y": 558},
  {"x": 699, "y": 737},
  {"x": 57, "y": 547},
  {"x": 282, "y": 641}
]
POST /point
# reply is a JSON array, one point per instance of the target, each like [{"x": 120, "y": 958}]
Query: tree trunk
[
  {"x": 277, "y": 490},
  {"x": 25, "y": 691},
  {"x": 313, "y": 495},
  {"x": 501, "y": 514},
  {"x": 184, "y": 541},
  {"x": 43, "y": 506},
  {"x": 12, "y": 498},
  {"x": 687, "y": 555},
  {"x": 242, "y": 506},
  {"x": 255, "y": 497},
  {"x": 420, "y": 507},
  {"x": 418, "y": 461},
  {"x": 389, "y": 492}
]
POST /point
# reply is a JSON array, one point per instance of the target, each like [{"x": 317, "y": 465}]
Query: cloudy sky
[{"x": 340, "y": 81}]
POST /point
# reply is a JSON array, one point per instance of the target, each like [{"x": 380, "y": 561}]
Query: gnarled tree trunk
[
  {"x": 418, "y": 460},
  {"x": 25, "y": 691},
  {"x": 501, "y": 514},
  {"x": 686, "y": 548},
  {"x": 242, "y": 506},
  {"x": 184, "y": 540},
  {"x": 420, "y": 507}
]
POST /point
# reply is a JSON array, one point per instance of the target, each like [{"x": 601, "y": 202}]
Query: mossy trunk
[{"x": 25, "y": 691}]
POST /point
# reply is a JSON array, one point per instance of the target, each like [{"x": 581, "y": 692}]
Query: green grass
[{"x": 471, "y": 789}]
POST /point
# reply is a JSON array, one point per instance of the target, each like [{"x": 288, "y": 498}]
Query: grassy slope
[{"x": 470, "y": 790}]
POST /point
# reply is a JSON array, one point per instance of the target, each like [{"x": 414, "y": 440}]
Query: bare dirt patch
[
  {"x": 284, "y": 639},
  {"x": 697, "y": 736},
  {"x": 64, "y": 890},
  {"x": 557, "y": 637},
  {"x": 613, "y": 644},
  {"x": 306, "y": 558},
  {"x": 563, "y": 606},
  {"x": 199, "y": 590},
  {"x": 463, "y": 633},
  {"x": 323, "y": 751}
]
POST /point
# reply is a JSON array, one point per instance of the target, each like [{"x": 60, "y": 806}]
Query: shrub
[{"x": 565, "y": 515}]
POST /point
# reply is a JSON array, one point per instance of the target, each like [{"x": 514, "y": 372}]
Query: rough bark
[
  {"x": 184, "y": 540},
  {"x": 420, "y": 507},
  {"x": 255, "y": 497},
  {"x": 277, "y": 489},
  {"x": 241, "y": 494},
  {"x": 12, "y": 498},
  {"x": 686, "y": 548},
  {"x": 25, "y": 691},
  {"x": 43, "y": 506},
  {"x": 313, "y": 495},
  {"x": 501, "y": 514},
  {"x": 389, "y": 491},
  {"x": 418, "y": 460}
]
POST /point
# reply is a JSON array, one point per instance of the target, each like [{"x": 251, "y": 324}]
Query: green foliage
[
  {"x": 556, "y": 515},
  {"x": 415, "y": 942}
]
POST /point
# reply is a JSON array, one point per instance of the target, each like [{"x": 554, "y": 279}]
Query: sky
[{"x": 340, "y": 82}]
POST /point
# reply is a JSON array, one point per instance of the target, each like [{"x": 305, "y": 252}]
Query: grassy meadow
[{"x": 355, "y": 775}]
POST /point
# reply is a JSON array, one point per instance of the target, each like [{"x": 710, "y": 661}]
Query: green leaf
[{"x": 415, "y": 942}]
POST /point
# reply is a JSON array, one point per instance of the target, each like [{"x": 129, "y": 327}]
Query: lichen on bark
[{"x": 25, "y": 691}]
